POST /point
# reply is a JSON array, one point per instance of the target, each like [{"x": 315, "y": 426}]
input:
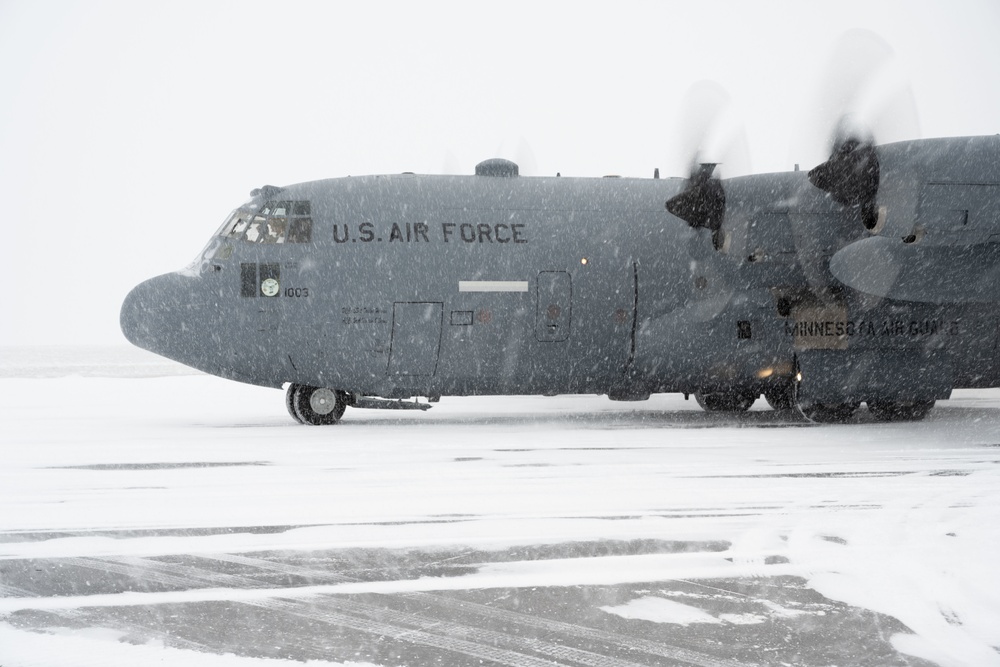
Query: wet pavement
[{"x": 765, "y": 621}]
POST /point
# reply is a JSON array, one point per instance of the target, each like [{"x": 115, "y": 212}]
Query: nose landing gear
[{"x": 317, "y": 406}]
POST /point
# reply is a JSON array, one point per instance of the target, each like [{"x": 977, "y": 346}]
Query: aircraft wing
[{"x": 888, "y": 268}]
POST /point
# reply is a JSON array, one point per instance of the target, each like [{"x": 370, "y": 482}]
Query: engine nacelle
[
  {"x": 937, "y": 234},
  {"x": 942, "y": 192}
]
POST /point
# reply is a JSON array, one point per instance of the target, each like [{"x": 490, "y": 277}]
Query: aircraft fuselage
[{"x": 407, "y": 285}]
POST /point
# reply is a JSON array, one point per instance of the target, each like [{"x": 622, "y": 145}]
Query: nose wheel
[{"x": 317, "y": 406}]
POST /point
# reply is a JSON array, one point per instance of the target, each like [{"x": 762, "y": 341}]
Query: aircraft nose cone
[
  {"x": 163, "y": 315},
  {"x": 137, "y": 312}
]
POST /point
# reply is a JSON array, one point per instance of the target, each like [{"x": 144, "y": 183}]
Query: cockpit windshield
[{"x": 275, "y": 222}]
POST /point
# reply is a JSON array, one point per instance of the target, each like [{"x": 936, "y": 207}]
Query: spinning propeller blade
[{"x": 711, "y": 141}]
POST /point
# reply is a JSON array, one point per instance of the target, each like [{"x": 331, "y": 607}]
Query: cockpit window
[
  {"x": 236, "y": 223},
  {"x": 240, "y": 225},
  {"x": 276, "y": 230},
  {"x": 300, "y": 230},
  {"x": 254, "y": 232},
  {"x": 275, "y": 222}
]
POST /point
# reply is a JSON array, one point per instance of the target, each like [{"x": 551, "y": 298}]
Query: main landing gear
[
  {"x": 784, "y": 397},
  {"x": 899, "y": 411},
  {"x": 880, "y": 410},
  {"x": 725, "y": 401},
  {"x": 827, "y": 413}
]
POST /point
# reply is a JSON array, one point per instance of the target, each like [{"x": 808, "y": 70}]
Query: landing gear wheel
[
  {"x": 899, "y": 411},
  {"x": 318, "y": 406},
  {"x": 725, "y": 401},
  {"x": 781, "y": 397},
  {"x": 828, "y": 413},
  {"x": 290, "y": 402}
]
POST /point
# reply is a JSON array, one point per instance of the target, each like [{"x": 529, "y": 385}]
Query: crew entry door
[
  {"x": 554, "y": 310},
  {"x": 416, "y": 338}
]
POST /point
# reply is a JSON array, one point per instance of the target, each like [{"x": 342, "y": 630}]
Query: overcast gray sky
[{"x": 128, "y": 130}]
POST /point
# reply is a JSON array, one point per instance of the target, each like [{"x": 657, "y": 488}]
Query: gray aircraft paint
[{"x": 500, "y": 284}]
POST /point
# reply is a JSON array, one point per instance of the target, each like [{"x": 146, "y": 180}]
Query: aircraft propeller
[
  {"x": 702, "y": 202},
  {"x": 709, "y": 139},
  {"x": 859, "y": 98},
  {"x": 851, "y": 173}
]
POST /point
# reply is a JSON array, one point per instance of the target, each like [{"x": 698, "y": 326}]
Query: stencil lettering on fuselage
[{"x": 421, "y": 232}]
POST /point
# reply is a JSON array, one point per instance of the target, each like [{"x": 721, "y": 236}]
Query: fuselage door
[
  {"x": 554, "y": 310},
  {"x": 416, "y": 338}
]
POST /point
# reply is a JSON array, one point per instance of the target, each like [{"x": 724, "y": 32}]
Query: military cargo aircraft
[{"x": 873, "y": 278}]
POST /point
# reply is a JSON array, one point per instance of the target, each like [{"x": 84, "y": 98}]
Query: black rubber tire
[
  {"x": 781, "y": 397},
  {"x": 725, "y": 401},
  {"x": 290, "y": 402},
  {"x": 899, "y": 411},
  {"x": 318, "y": 406},
  {"x": 828, "y": 413}
]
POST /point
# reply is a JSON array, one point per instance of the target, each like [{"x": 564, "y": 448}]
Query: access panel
[
  {"x": 553, "y": 314},
  {"x": 416, "y": 338}
]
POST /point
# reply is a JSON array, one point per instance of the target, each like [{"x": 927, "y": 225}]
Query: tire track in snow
[
  {"x": 629, "y": 643},
  {"x": 412, "y": 636},
  {"x": 402, "y": 626},
  {"x": 445, "y": 634},
  {"x": 79, "y": 615},
  {"x": 583, "y": 632},
  {"x": 408, "y": 627},
  {"x": 140, "y": 569}
]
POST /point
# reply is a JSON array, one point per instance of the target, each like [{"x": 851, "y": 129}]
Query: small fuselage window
[{"x": 275, "y": 222}]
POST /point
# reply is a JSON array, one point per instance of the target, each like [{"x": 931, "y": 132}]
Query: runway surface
[{"x": 151, "y": 515}]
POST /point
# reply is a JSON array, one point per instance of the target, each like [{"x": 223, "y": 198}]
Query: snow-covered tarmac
[{"x": 151, "y": 515}]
